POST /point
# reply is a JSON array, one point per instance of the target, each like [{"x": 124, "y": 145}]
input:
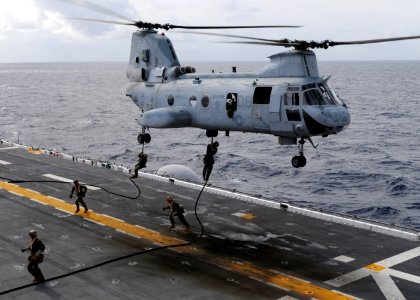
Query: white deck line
[
  {"x": 59, "y": 178},
  {"x": 347, "y": 221},
  {"x": 326, "y": 216}
]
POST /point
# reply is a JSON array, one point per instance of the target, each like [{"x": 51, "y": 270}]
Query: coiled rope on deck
[{"x": 66, "y": 182}]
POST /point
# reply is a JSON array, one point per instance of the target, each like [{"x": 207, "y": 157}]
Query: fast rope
[
  {"x": 121, "y": 257},
  {"x": 66, "y": 182}
]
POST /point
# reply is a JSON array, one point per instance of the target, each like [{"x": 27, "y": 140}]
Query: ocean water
[{"x": 370, "y": 170}]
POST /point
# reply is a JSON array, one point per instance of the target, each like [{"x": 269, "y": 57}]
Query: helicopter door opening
[
  {"x": 260, "y": 106},
  {"x": 231, "y": 104}
]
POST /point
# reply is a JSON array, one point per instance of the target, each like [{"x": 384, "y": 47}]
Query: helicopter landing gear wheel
[
  {"x": 299, "y": 161},
  {"x": 144, "y": 138},
  {"x": 147, "y": 138},
  {"x": 212, "y": 133}
]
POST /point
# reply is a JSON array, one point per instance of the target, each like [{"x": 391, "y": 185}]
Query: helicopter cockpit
[
  {"x": 310, "y": 109},
  {"x": 317, "y": 106},
  {"x": 322, "y": 110}
]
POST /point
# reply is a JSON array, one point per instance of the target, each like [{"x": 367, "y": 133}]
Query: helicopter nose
[{"x": 326, "y": 120}]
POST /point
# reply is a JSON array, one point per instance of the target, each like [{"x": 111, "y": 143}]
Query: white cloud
[
  {"x": 55, "y": 24},
  {"x": 42, "y": 24},
  {"x": 13, "y": 18}
]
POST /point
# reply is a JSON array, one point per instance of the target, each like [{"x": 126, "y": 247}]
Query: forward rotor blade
[
  {"x": 97, "y": 8},
  {"x": 281, "y": 44},
  {"x": 302, "y": 44},
  {"x": 234, "y": 27},
  {"x": 254, "y": 40},
  {"x": 373, "y": 41},
  {"x": 234, "y": 36}
]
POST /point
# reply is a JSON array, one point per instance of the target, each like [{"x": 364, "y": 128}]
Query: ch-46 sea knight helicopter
[{"x": 287, "y": 98}]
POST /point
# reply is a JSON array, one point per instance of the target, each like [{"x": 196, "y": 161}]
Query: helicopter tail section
[{"x": 151, "y": 54}]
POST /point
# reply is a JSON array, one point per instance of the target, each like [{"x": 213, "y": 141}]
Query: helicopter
[{"x": 287, "y": 98}]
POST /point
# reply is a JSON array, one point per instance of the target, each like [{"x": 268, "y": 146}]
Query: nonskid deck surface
[{"x": 248, "y": 251}]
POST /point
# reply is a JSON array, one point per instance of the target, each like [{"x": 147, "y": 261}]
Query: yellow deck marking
[
  {"x": 291, "y": 283},
  {"x": 96, "y": 217},
  {"x": 34, "y": 151},
  {"x": 286, "y": 282},
  {"x": 244, "y": 216},
  {"x": 248, "y": 216},
  {"x": 375, "y": 267}
]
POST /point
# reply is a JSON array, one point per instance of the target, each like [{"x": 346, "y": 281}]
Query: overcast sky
[{"x": 40, "y": 31}]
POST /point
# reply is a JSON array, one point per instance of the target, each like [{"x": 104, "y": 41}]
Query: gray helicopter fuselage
[{"x": 286, "y": 98}]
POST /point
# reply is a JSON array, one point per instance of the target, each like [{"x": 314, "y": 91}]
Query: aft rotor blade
[
  {"x": 147, "y": 25},
  {"x": 140, "y": 24},
  {"x": 97, "y": 8},
  {"x": 103, "y": 21}
]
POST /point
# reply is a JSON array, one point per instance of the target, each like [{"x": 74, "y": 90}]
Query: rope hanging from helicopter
[{"x": 210, "y": 152}]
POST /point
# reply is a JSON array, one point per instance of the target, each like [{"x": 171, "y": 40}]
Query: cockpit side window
[
  {"x": 291, "y": 99},
  {"x": 295, "y": 99},
  {"x": 291, "y": 103}
]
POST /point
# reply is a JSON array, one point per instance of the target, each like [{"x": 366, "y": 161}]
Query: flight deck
[{"x": 251, "y": 248}]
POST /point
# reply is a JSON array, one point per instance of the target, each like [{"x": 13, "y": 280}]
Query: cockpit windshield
[
  {"x": 313, "y": 97},
  {"x": 317, "y": 94},
  {"x": 326, "y": 94}
]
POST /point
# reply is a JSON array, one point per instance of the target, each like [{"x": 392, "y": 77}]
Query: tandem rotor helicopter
[{"x": 287, "y": 98}]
